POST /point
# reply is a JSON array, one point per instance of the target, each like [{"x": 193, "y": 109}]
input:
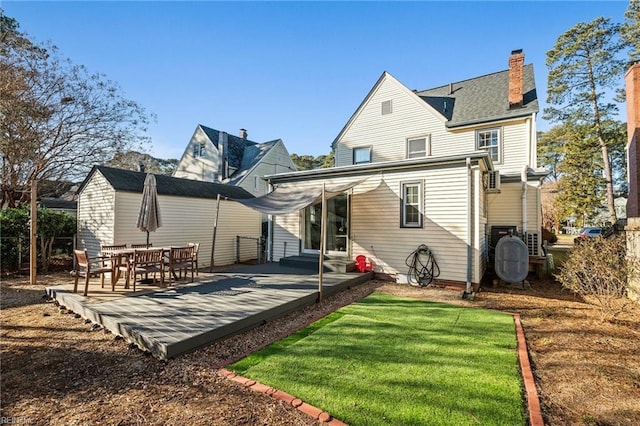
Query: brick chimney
[
  {"x": 516, "y": 66},
  {"x": 243, "y": 133},
  {"x": 632, "y": 80}
]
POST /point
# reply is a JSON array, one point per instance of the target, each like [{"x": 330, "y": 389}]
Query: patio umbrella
[{"x": 149, "y": 216}]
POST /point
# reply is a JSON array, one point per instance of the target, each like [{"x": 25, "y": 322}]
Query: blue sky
[{"x": 294, "y": 71}]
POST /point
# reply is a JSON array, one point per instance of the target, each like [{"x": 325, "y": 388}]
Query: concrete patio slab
[{"x": 170, "y": 321}]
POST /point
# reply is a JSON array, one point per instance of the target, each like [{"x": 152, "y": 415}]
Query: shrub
[
  {"x": 599, "y": 268},
  {"x": 14, "y": 223},
  {"x": 549, "y": 236}
]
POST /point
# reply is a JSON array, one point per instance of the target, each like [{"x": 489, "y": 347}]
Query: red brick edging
[
  {"x": 310, "y": 410},
  {"x": 533, "y": 401}
]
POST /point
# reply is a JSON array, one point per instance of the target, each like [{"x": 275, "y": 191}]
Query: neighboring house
[
  {"x": 216, "y": 156},
  {"x": 109, "y": 202},
  {"x": 60, "y": 205},
  {"x": 451, "y": 167},
  {"x": 58, "y": 196}
]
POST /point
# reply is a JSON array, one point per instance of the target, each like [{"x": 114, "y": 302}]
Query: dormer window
[
  {"x": 387, "y": 107},
  {"x": 489, "y": 140},
  {"x": 198, "y": 150},
  {"x": 418, "y": 147},
  {"x": 362, "y": 155}
]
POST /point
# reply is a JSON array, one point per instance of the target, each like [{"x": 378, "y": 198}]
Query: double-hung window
[
  {"x": 418, "y": 147},
  {"x": 362, "y": 155},
  {"x": 198, "y": 150},
  {"x": 489, "y": 140},
  {"x": 411, "y": 207}
]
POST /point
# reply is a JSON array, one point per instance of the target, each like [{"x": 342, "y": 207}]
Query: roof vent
[{"x": 243, "y": 133}]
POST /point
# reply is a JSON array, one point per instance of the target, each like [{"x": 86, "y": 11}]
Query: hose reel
[{"x": 423, "y": 267}]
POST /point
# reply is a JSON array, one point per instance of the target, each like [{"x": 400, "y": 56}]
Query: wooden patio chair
[
  {"x": 106, "y": 251},
  {"x": 144, "y": 262},
  {"x": 196, "y": 247},
  {"x": 181, "y": 258},
  {"x": 87, "y": 266},
  {"x": 143, "y": 245}
]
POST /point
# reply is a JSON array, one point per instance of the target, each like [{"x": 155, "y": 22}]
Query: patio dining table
[{"x": 118, "y": 256}]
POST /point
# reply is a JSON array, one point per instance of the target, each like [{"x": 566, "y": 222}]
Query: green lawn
[{"x": 388, "y": 360}]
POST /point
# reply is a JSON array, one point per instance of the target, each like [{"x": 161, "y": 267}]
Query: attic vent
[
  {"x": 386, "y": 107},
  {"x": 533, "y": 243},
  {"x": 493, "y": 181}
]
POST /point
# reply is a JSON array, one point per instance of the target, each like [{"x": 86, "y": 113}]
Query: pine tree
[
  {"x": 583, "y": 63},
  {"x": 580, "y": 187},
  {"x": 630, "y": 30}
]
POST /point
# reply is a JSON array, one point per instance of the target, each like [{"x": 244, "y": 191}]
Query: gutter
[
  {"x": 480, "y": 121},
  {"x": 468, "y": 293},
  {"x": 269, "y": 227},
  {"x": 524, "y": 199},
  {"x": 360, "y": 169}
]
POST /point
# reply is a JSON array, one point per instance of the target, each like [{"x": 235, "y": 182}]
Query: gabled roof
[
  {"x": 385, "y": 76},
  {"x": 251, "y": 157},
  {"x": 481, "y": 99},
  {"x": 132, "y": 181},
  {"x": 477, "y": 100},
  {"x": 236, "y": 145}
]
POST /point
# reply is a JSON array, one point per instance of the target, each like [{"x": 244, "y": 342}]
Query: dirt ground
[{"x": 57, "y": 369}]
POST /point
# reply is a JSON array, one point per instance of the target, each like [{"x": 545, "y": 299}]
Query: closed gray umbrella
[{"x": 149, "y": 216}]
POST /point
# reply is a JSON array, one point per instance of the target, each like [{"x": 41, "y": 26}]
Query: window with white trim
[
  {"x": 411, "y": 207},
  {"x": 489, "y": 140},
  {"x": 387, "y": 107},
  {"x": 198, "y": 150},
  {"x": 418, "y": 147},
  {"x": 362, "y": 155}
]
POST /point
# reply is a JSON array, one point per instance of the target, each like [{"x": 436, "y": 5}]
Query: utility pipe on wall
[{"x": 523, "y": 177}]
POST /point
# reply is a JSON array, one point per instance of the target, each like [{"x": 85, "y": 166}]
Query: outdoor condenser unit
[{"x": 498, "y": 232}]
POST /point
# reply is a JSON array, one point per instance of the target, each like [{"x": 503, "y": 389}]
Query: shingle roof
[
  {"x": 132, "y": 181},
  {"x": 251, "y": 156},
  {"x": 236, "y": 145},
  {"x": 481, "y": 99},
  {"x": 58, "y": 203}
]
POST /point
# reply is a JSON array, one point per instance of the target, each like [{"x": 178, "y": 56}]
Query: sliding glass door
[{"x": 337, "y": 223}]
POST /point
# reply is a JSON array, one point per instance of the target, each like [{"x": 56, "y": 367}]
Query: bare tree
[
  {"x": 551, "y": 213},
  {"x": 57, "y": 119}
]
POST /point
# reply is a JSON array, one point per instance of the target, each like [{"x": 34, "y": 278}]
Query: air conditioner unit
[
  {"x": 533, "y": 243},
  {"x": 493, "y": 181}
]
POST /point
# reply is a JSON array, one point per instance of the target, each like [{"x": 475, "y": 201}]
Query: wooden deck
[{"x": 170, "y": 321}]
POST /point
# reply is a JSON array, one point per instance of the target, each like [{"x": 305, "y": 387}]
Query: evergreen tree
[
  {"x": 630, "y": 30},
  {"x": 583, "y": 63},
  {"x": 550, "y": 150},
  {"x": 580, "y": 188},
  {"x": 309, "y": 162}
]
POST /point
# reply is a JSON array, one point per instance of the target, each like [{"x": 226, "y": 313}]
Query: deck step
[{"x": 331, "y": 264}]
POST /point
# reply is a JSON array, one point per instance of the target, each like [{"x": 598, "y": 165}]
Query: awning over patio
[{"x": 290, "y": 199}]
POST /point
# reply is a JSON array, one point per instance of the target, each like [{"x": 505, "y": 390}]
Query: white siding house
[
  {"x": 215, "y": 156},
  {"x": 446, "y": 164},
  {"x": 109, "y": 202}
]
